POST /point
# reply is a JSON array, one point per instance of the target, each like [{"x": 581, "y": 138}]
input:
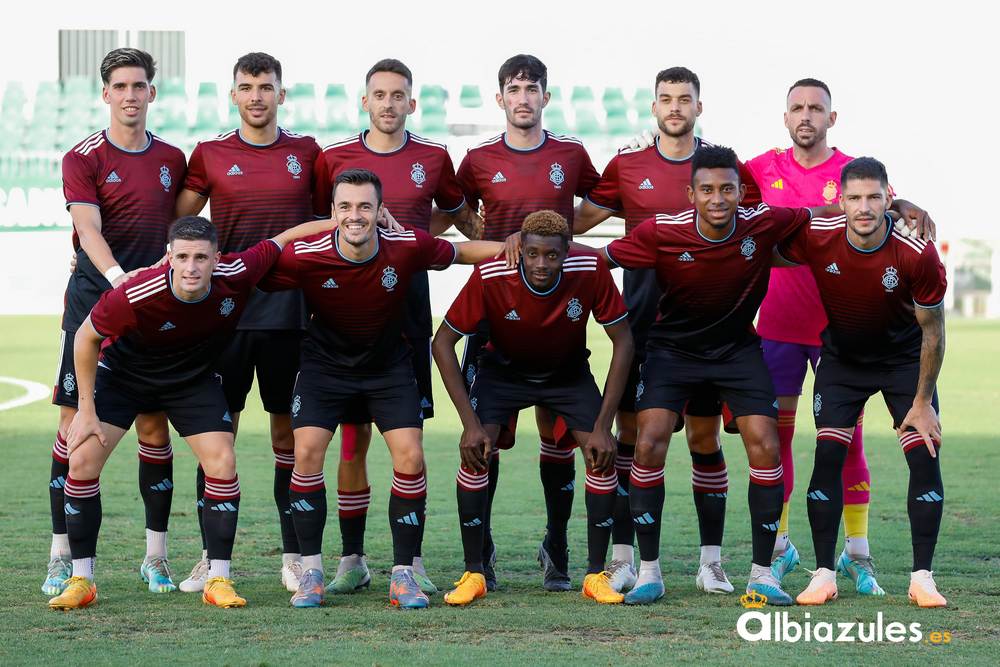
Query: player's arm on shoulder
[
  {"x": 87, "y": 223},
  {"x": 916, "y": 221},
  {"x": 189, "y": 202},
  {"x": 303, "y": 230},
  {"x": 86, "y": 349},
  {"x": 922, "y": 416},
  {"x": 465, "y": 219},
  {"x": 588, "y": 215},
  {"x": 473, "y": 252},
  {"x": 283, "y": 273}
]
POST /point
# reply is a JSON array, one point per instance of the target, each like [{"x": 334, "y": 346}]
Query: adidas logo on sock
[
  {"x": 165, "y": 485},
  {"x": 512, "y": 315},
  {"x": 499, "y": 178},
  {"x": 224, "y": 507},
  {"x": 644, "y": 520},
  {"x": 113, "y": 177},
  {"x": 69, "y": 509},
  {"x": 817, "y": 495},
  {"x": 58, "y": 483},
  {"x": 646, "y": 184},
  {"x": 622, "y": 491},
  {"x": 685, "y": 257},
  {"x": 861, "y": 486},
  {"x": 167, "y": 326},
  {"x": 569, "y": 487},
  {"x": 234, "y": 171},
  {"x": 472, "y": 524},
  {"x": 330, "y": 284},
  {"x": 607, "y": 523},
  {"x": 716, "y": 495},
  {"x": 834, "y": 269},
  {"x": 201, "y": 503},
  {"x": 410, "y": 519},
  {"x": 930, "y": 497},
  {"x": 771, "y": 527},
  {"x": 303, "y": 506}
]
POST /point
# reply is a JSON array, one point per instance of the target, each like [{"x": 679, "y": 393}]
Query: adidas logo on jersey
[
  {"x": 113, "y": 177},
  {"x": 167, "y": 326},
  {"x": 234, "y": 171},
  {"x": 499, "y": 178},
  {"x": 330, "y": 284},
  {"x": 685, "y": 257},
  {"x": 778, "y": 184},
  {"x": 646, "y": 184},
  {"x": 834, "y": 269},
  {"x": 512, "y": 315}
]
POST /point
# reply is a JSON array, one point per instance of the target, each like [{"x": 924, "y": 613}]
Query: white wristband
[{"x": 113, "y": 274}]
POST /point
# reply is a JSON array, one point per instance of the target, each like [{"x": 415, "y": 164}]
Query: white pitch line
[{"x": 34, "y": 391}]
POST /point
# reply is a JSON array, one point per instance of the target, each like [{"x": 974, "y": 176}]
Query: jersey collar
[
  {"x": 406, "y": 140},
  {"x": 548, "y": 292},
  {"x": 170, "y": 281},
  {"x": 728, "y": 236},
  {"x": 656, "y": 146},
  {"x": 149, "y": 143},
  {"x": 888, "y": 233},
  {"x": 277, "y": 138},
  {"x": 336, "y": 246},
  {"x": 545, "y": 137}
]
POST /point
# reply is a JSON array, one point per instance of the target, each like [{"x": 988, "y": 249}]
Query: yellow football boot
[
  {"x": 597, "y": 587},
  {"x": 219, "y": 592},
  {"x": 471, "y": 586},
  {"x": 80, "y": 592}
]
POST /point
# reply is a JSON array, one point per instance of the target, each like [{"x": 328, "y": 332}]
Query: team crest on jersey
[
  {"x": 817, "y": 404},
  {"x": 294, "y": 166},
  {"x": 69, "y": 383},
  {"x": 389, "y": 278},
  {"x": 296, "y": 405},
  {"x": 557, "y": 175},
  {"x": 573, "y": 309},
  {"x": 890, "y": 279},
  {"x": 165, "y": 179},
  {"x": 748, "y": 247},
  {"x": 830, "y": 191},
  {"x": 417, "y": 174},
  {"x": 226, "y": 307}
]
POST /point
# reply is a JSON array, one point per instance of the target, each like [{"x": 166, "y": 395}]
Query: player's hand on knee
[
  {"x": 475, "y": 448},
  {"x": 923, "y": 418},
  {"x": 644, "y": 139},
  {"x": 512, "y": 249},
  {"x": 599, "y": 451},
  {"x": 84, "y": 425}
]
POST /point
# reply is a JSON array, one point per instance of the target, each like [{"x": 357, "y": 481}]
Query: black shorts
[
  {"x": 670, "y": 380},
  {"x": 497, "y": 395},
  {"x": 274, "y": 355},
  {"x": 325, "y": 399},
  {"x": 474, "y": 345},
  {"x": 842, "y": 388},
  {"x": 64, "y": 390},
  {"x": 193, "y": 408},
  {"x": 642, "y": 295}
]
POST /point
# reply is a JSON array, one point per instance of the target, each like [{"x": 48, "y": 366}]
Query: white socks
[
  {"x": 857, "y": 547},
  {"x": 710, "y": 554},
  {"x": 400, "y": 568},
  {"x": 218, "y": 568},
  {"x": 83, "y": 567},
  {"x": 758, "y": 571},
  {"x": 649, "y": 573},
  {"x": 346, "y": 563},
  {"x": 60, "y": 546},
  {"x": 623, "y": 552},
  {"x": 288, "y": 559},
  {"x": 156, "y": 544},
  {"x": 314, "y": 562},
  {"x": 418, "y": 565}
]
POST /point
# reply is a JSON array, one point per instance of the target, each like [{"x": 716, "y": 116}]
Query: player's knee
[
  {"x": 220, "y": 462},
  {"x": 762, "y": 451},
  {"x": 152, "y": 430},
  {"x": 410, "y": 460},
  {"x": 84, "y": 463},
  {"x": 281, "y": 433},
  {"x": 703, "y": 442},
  {"x": 651, "y": 449},
  {"x": 65, "y": 419}
]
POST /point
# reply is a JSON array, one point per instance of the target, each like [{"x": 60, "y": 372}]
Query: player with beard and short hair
[
  {"x": 882, "y": 293},
  {"x": 258, "y": 181},
  {"x": 523, "y": 170},
  {"x": 120, "y": 186},
  {"x": 416, "y": 174}
]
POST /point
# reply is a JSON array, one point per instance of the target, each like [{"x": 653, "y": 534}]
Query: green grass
[{"x": 519, "y": 624}]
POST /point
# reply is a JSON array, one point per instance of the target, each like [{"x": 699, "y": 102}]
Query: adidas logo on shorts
[
  {"x": 512, "y": 315},
  {"x": 499, "y": 178},
  {"x": 234, "y": 171},
  {"x": 646, "y": 184},
  {"x": 113, "y": 177},
  {"x": 330, "y": 284},
  {"x": 685, "y": 257},
  {"x": 834, "y": 269}
]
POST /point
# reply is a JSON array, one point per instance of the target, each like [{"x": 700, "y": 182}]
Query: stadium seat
[
  {"x": 582, "y": 94},
  {"x": 554, "y": 119},
  {"x": 613, "y": 100},
  {"x": 40, "y": 137},
  {"x": 300, "y": 108},
  {"x": 585, "y": 121},
  {"x": 433, "y": 96},
  {"x": 618, "y": 123},
  {"x": 555, "y": 94},
  {"x": 642, "y": 99},
  {"x": 432, "y": 121},
  {"x": 338, "y": 109},
  {"x": 14, "y": 98},
  {"x": 171, "y": 88},
  {"x": 208, "y": 89},
  {"x": 470, "y": 96}
]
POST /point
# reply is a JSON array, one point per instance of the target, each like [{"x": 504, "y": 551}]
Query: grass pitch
[{"x": 519, "y": 624}]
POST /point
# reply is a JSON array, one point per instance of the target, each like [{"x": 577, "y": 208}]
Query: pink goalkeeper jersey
[{"x": 792, "y": 311}]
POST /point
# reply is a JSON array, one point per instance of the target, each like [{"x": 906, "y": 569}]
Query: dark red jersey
[
  {"x": 512, "y": 183},
  {"x": 414, "y": 176},
  {"x": 641, "y": 183},
  {"x": 256, "y": 192},
  {"x": 156, "y": 339},
  {"x": 711, "y": 289},
  {"x": 869, "y": 295},
  {"x": 357, "y": 307},
  {"x": 135, "y": 192},
  {"x": 538, "y": 334}
]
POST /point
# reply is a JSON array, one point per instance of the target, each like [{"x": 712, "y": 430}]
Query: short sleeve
[
  {"x": 609, "y": 307},
  {"x": 788, "y": 221},
  {"x": 448, "y": 196},
  {"x": 794, "y": 248},
  {"x": 79, "y": 180},
  {"x": 466, "y": 177},
  {"x": 322, "y": 195},
  {"x": 284, "y": 273},
  {"x": 753, "y": 194},
  {"x": 112, "y": 315},
  {"x": 606, "y": 194},
  {"x": 588, "y": 177},
  {"x": 196, "y": 179},
  {"x": 929, "y": 281},
  {"x": 258, "y": 259},
  {"x": 636, "y": 250},
  {"x": 435, "y": 254},
  {"x": 468, "y": 308}
]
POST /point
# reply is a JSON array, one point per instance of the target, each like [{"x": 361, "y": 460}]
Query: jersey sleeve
[
  {"x": 448, "y": 196},
  {"x": 79, "y": 180},
  {"x": 609, "y": 307},
  {"x": 637, "y": 249},
  {"x": 284, "y": 273},
  {"x": 112, "y": 315},
  {"x": 788, "y": 221},
  {"x": 196, "y": 179},
  {"x": 753, "y": 194},
  {"x": 929, "y": 281},
  {"x": 322, "y": 188},
  {"x": 260, "y": 258},
  {"x": 606, "y": 193},
  {"x": 435, "y": 254},
  {"x": 468, "y": 308},
  {"x": 467, "y": 182},
  {"x": 794, "y": 248},
  {"x": 589, "y": 177}
]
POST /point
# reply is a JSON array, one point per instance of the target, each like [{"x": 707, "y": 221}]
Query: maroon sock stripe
[
  {"x": 406, "y": 485},
  {"x": 601, "y": 484},
  {"x": 645, "y": 477},
  {"x": 159, "y": 454},
  {"x": 623, "y": 464},
  {"x": 911, "y": 439},
  {"x": 472, "y": 481},
  {"x": 552, "y": 454},
  {"x": 222, "y": 489},
  {"x": 710, "y": 478},
  {"x": 353, "y": 503},
  {"x": 766, "y": 476},
  {"x": 59, "y": 452},
  {"x": 302, "y": 483},
  {"x": 284, "y": 458},
  {"x": 82, "y": 488},
  {"x": 841, "y": 435}
]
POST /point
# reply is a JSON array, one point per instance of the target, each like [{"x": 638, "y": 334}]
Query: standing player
[
  {"x": 882, "y": 293},
  {"x": 150, "y": 345},
  {"x": 415, "y": 174},
  {"x": 355, "y": 282},
  {"x": 537, "y": 355},
  {"x": 258, "y": 180},
  {"x": 523, "y": 170},
  {"x": 120, "y": 186},
  {"x": 791, "y": 317}
]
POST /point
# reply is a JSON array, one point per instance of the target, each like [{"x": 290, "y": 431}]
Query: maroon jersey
[
  {"x": 711, "y": 289},
  {"x": 869, "y": 295},
  {"x": 643, "y": 182},
  {"x": 156, "y": 339},
  {"x": 414, "y": 176},
  {"x": 538, "y": 334},
  {"x": 256, "y": 192},
  {"x": 357, "y": 307},
  {"x": 512, "y": 183},
  {"x": 135, "y": 192}
]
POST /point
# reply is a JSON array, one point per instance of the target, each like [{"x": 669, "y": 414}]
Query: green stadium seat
[
  {"x": 336, "y": 91},
  {"x": 433, "y": 121},
  {"x": 642, "y": 99},
  {"x": 208, "y": 89},
  {"x": 618, "y": 123},
  {"x": 555, "y": 94},
  {"x": 433, "y": 96},
  {"x": 613, "y": 100},
  {"x": 14, "y": 98},
  {"x": 171, "y": 88},
  {"x": 302, "y": 90},
  {"x": 585, "y": 121},
  {"x": 470, "y": 96},
  {"x": 41, "y": 137},
  {"x": 554, "y": 119},
  {"x": 582, "y": 94}
]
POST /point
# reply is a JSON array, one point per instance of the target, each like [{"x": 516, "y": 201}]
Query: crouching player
[
  {"x": 147, "y": 346},
  {"x": 537, "y": 356}
]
